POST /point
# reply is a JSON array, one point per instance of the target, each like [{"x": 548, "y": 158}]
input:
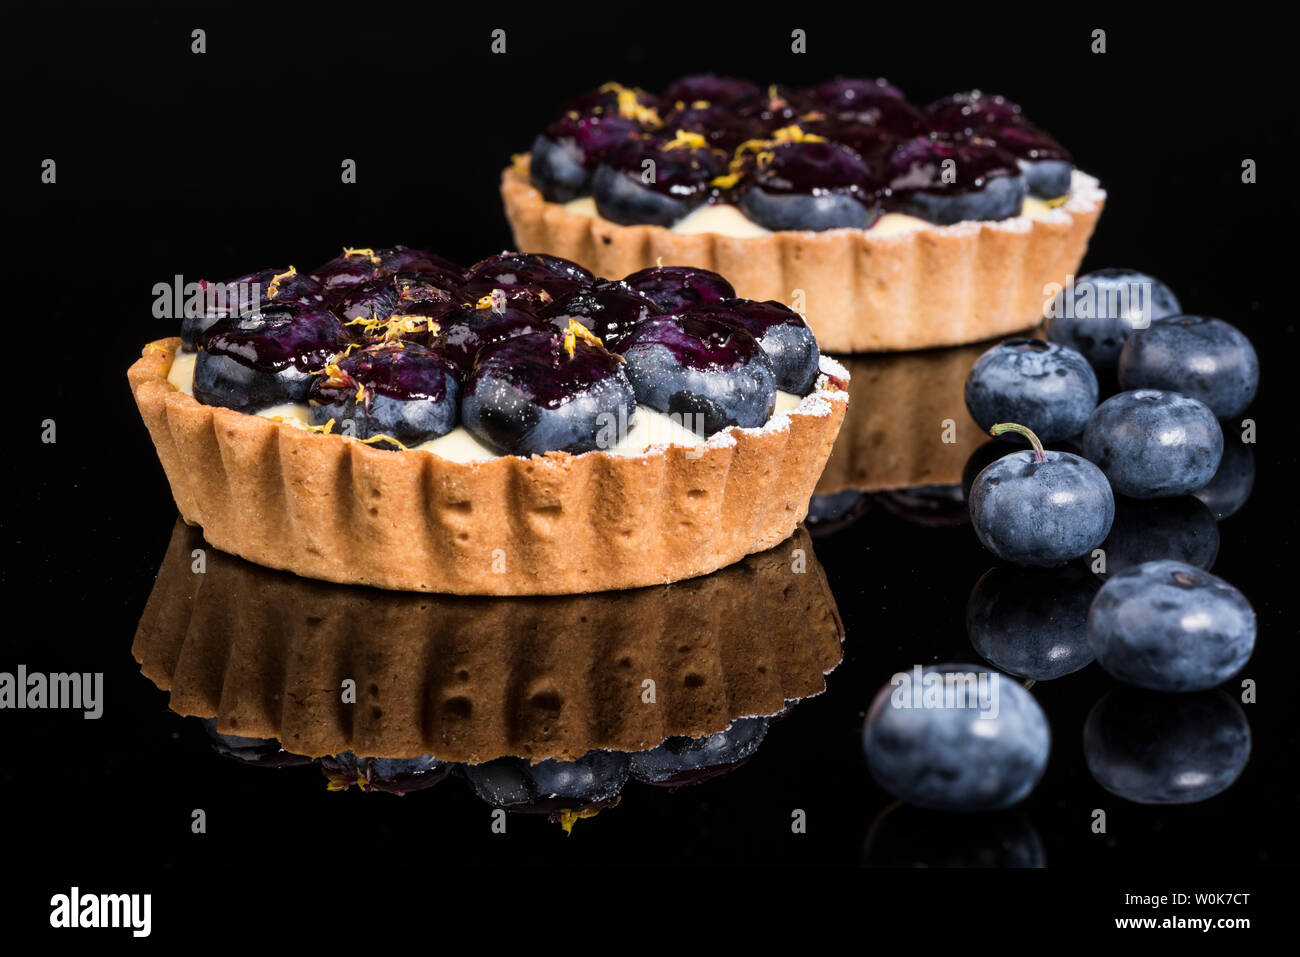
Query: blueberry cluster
[
  {"x": 1120, "y": 477},
  {"x": 531, "y": 353},
  {"x": 838, "y": 154}
]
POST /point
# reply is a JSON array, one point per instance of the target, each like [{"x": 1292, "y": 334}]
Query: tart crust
[
  {"x": 473, "y": 679},
  {"x": 330, "y": 507},
  {"x": 940, "y": 286}
]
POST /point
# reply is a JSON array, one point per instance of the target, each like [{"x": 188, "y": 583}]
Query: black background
[{"x": 215, "y": 165}]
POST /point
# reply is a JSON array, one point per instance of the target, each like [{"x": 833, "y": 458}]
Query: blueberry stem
[{"x": 1039, "y": 454}]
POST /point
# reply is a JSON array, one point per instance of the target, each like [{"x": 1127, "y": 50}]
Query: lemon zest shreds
[
  {"x": 325, "y": 429},
  {"x": 568, "y": 818},
  {"x": 576, "y": 331},
  {"x": 726, "y": 181},
  {"x": 1054, "y": 203},
  {"x": 495, "y": 300},
  {"x": 795, "y": 134},
  {"x": 366, "y": 251},
  {"x": 273, "y": 286},
  {"x": 380, "y": 437},
  {"x": 685, "y": 139},
  {"x": 153, "y": 347},
  {"x": 398, "y": 326}
]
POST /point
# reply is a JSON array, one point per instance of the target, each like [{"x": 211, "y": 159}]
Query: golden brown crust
[
  {"x": 862, "y": 292},
  {"x": 330, "y": 507},
  {"x": 472, "y": 679}
]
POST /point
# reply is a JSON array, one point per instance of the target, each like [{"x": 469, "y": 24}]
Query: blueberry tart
[
  {"x": 522, "y": 426},
  {"x": 900, "y": 226}
]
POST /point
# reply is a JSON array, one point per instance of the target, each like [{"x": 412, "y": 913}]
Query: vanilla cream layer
[
  {"x": 646, "y": 428},
  {"x": 723, "y": 219}
]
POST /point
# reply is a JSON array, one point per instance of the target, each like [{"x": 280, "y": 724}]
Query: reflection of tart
[
  {"x": 894, "y": 227},
  {"x": 474, "y": 679},
  {"x": 519, "y": 427}
]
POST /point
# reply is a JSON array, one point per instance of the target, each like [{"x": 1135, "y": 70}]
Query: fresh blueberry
[
  {"x": 911, "y": 837},
  {"x": 947, "y": 738},
  {"x": 656, "y": 180},
  {"x": 1170, "y": 626},
  {"x": 1099, "y": 311},
  {"x": 1154, "y": 444},
  {"x": 250, "y": 362},
  {"x": 1161, "y": 749},
  {"x": 811, "y": 185},
  {"x": 550, "y": 786},
  {"x": 394, "y": 389},
  {"x": 992, "y": 450},
  {"x": 1205, "y": 358},
  {"x": 1047, "y": 387},
  {"x": 684, "y": 760},
  {"x": 262, "y": 752},
  {"x": 565, "y": 155},
  {"x": 610, "y": 310},
  {"x": 391, "y": 775},
  {"x": 1180, "y": 528},
  {"x": 781, "y": 332},
  {"x": 945, "y": 182},
  {"x": 712, "y": 372},
  {"x": 532, "y": 394},
  {"x": 1232, "y": 483},
  {"x": 1041, "y": 508},
  {"x": 1032, "y": 623},
  {"x": 245, "y": 295},
  {"x": 674, "y": 288}
]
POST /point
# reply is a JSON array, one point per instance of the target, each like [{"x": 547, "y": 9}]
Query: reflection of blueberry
[
  {"x": 781, "y": 332},
  {"x": 1041, "y": 508},
  {"x": 913, "y": 837},
  {"x": 1169, "y": 626},
  {"x": 686, "y": 760},
  {"x": 929, "y": 506},
  {"x": 1102, "y": 309},
  {"x": 1181, "y": 529},
  {"x": 835, "y": 511},
  {"x": 1232, "y": 483},
  {"x": 1044, "y": 386},
  {"x": 400, "y": 390},
  {"x": 1162, "y": 749},
  {"x": 966, "y": 754},
  {"x": 711, "y": 371},
  {"x": 1205, "y": 358},
  {"x": 250, "y": 362},
  {"x": 391, "y": 775},
  {"x": 1032, "y": 623},
  {"x": 527, "y": 396},
  {"x": 1154, "y": 444},
  {"x": 263, "y": 752},
  {"x": 550, "y": 786}
]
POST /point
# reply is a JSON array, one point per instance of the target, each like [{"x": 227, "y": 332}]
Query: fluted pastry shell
[
  {"x": 861, "y": 292},
  {"x": 473, "y": 679},
  {"x": 334, "y": 508}
]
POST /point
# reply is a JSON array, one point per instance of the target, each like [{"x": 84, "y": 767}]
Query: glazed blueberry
[
  {"x": 721, "y": 128},
  {"x": 356, "y": 266},
  {"x": 713, "y": 372},
  {"x": 1032, "y": 623},
  {"x": 781, "y": 333},
  {"x": 250, "y": 362},
  {"x": 956, "y": 739},
  {"x": 430, "y": 294},
  {"x": 675, "y": 288},
  {"x": 506, "y": 270},
  {"x": 1166, "y": 749},
  {"x": 1181, "y": 529},
  {"x": 564, "y": 157},
  {"x": 872, "y": 143},
  {"x": 245, "y": 295},
  {"x": 262, "y": 752},
  {"x": 850, "y": 94},
  {"x": 1154, "y": 444},
  {"x": 684, "y": 760},
  {"x": 395, "y": 389},
  {"x": 1041, "y": 508},
  {"x": 1047, "y": 387},
  {"x": 911, "y": 837},
  {"x": 981, "y": 182},
  {"x": 461, "y": 334},
  {"x": 1100, "y": 310},
  {"x": 1205, "y": 358},
  {"x": 1045, "y": 163},
  {"x": 971, "y": 112},
  {"x": 392, "y": 775},
  {"x": 711, "y": 88},
  {"x": 811, "y": 185},
  {"x": 550, "y": 786},
  {"x": 896, "y": 117},
  {"x": 610, "y": 310},
  {"x": 1232, "y": 483},
  {"x": 1170, "y": 626},
  {"x": 529, "y": 395},
  {"x": 656, "y": 180}
]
